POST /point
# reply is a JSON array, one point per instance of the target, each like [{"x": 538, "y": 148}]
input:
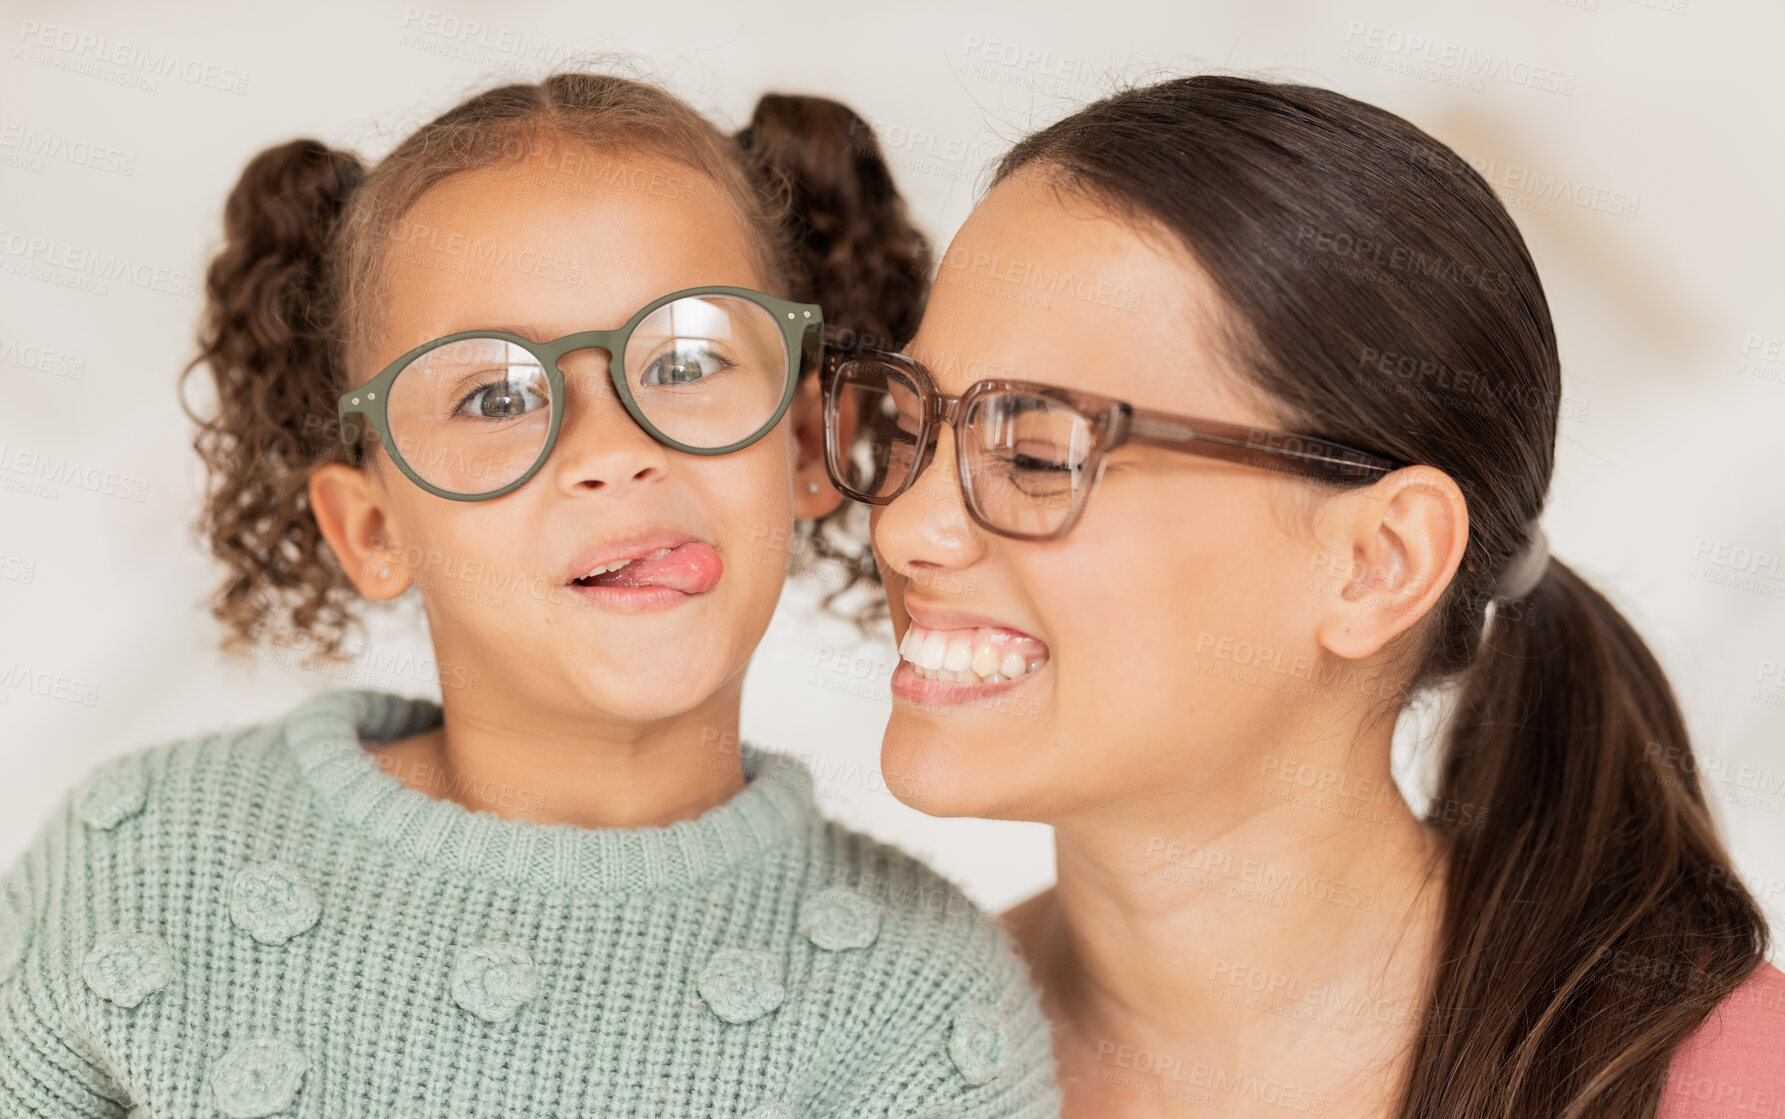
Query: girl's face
[
  {"x": 535, "y": 250},
  {"x": 1180, "y": 617}
]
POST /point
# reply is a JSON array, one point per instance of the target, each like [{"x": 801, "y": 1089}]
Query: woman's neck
[
  {"x": 542, "y": 766},
  {"x": 1277, "y": 959}
]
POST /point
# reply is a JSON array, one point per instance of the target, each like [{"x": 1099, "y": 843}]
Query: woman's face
[
  {"x": 543, "y": 252},
  {"x": 1172, "y": 619}
]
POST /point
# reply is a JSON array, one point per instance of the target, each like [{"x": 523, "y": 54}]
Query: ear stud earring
[{"x": 811, "y": 487}]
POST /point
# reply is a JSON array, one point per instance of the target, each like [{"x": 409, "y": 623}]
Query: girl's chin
[{"x": 631, "y": 694}]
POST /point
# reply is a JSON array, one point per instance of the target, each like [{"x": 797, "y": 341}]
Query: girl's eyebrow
[{"x": 530, "y": 331}]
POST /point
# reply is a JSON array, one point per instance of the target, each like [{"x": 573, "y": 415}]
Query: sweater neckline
[{"x": 323, "y": 736}]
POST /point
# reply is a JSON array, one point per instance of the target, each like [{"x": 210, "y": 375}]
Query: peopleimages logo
[
  {"x": 65, "y": 48},
  {"x": 49, "y": 685},
  {"x": 1463, "y": 60},
  {"x": 1026, "y": 277},
  {"x": 38, "y": 473},
  {"x": 475, "y": 39},
  {"x": 30, "y": 250},
  {"x": 22, "y": 145}
]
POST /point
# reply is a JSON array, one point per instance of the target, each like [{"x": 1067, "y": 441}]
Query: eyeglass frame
[
  {"x": 802, "y": 332},
  {"x": 1113, "y": 423}
]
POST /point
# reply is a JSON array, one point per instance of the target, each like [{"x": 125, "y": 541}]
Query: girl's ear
[
  {"x": 808, "y": 467},
  {"x": 349, "y": 509}
]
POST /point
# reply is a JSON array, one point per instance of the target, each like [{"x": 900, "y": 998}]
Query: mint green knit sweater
[{"x": 265, "y": 922}]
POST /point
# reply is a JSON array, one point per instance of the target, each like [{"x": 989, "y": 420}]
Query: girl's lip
[
  {"x": 626, "y": 546},
  {"x": 632, "y": 600},
  {"x": 908, "y": 685}
]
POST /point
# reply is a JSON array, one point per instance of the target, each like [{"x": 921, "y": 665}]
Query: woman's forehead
[{"x": 1046, "y": 288}]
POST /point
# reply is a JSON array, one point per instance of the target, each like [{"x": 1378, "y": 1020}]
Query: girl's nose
[{"x": 599, "y": 443}]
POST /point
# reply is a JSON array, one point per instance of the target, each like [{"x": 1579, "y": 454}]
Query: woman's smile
[{"x": 954, "y": 658}]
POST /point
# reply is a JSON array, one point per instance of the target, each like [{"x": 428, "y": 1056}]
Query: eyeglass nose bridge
[
  {"x": 1109, "y": 428},
  {"x": 939, "y": 408},
  {"x": 607, "y": 340},
  {"x": 951, "y": 410},
  {"x": 584, "y": 340}
]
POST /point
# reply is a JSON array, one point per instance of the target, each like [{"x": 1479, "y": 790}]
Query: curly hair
[
  {"x": 291, "y": 298},
  {"x": 861, "y": 258}
]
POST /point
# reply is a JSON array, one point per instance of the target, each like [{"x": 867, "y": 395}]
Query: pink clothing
[{"x": 1733, "y": 1067}]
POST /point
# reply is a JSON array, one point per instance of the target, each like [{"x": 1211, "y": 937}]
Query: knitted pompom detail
[
  {"x": 15, "y": 932},
  {"x": 839, "y": 918},
  {"x": 493, "y": 981},
  {"x": 257, "y": 1077},
  {"x": 112, "y": 795},
  {"x": 976, "y": 1043},
  {"x": 273, "y": 902},
  {"x": 741, "y": 984},
  {"x": 128, "y": 967}
]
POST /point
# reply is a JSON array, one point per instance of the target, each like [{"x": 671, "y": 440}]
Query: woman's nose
[{"x": 928, "y": 528}]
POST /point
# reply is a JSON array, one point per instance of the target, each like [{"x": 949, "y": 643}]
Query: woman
[{"x": 1300, "y": 354}]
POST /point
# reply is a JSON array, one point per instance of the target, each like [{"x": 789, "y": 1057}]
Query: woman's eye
[
  {"x": 501, "y": 400},
  {"x": 685, "y": 363},
  {"x": 1048, "y": 461}
]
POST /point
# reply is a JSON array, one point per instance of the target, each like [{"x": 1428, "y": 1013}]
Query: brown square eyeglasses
[{"x": 1029, "y": 454}]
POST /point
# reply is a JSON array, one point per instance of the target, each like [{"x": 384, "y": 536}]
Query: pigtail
[
  {"x": 855, "y": 252},
  {"x": 267, "y": 337}
]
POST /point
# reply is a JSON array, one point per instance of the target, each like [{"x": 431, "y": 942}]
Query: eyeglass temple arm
[
  {"x": 1257, "y": 446},
  {"x": 353, "y": 423}
]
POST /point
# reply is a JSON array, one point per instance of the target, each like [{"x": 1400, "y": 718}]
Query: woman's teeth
[{"x": 971, "y": 656}]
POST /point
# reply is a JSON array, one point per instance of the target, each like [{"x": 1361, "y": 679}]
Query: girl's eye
[
  {"x": 687, "y": 361},
  {"x": 502, "y": 399}
]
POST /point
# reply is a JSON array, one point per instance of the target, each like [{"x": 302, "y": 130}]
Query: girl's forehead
[
  {"x": 611, "y": 202},
  {"x": 574, "y": 249}
]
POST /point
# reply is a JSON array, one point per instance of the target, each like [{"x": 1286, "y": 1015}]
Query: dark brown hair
[
  {"x": 861, "y": 258},
  {"x": 1338, "y": 233},
  {"x": 292, "y": 300}
]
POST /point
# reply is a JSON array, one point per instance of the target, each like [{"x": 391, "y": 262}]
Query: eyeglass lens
[
  {"x": 472, "y": 416},
  {"x": 1027, "y": 457}
]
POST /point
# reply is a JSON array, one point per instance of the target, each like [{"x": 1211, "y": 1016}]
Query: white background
[{"x": 1646, "y": 178}]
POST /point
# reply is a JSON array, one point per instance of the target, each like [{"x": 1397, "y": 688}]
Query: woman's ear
[
  {"x": 349, "y": 508},
  {"x": 1405, "y": 536},
  {"x": 808, "y": 467}
]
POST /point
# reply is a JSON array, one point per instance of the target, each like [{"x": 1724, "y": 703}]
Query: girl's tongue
[{"x": 690, "y": 568}]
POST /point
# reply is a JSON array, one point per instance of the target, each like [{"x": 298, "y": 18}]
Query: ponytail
[
  {"x": 856, "y": 254},
  {"x": 1592, "y": 911},
  {"x": 267, "y": 338}
]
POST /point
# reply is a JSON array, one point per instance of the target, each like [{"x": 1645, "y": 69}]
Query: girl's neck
[
  {"x": 588, "y": 773},
  {"x": 1288, "y": 950}
]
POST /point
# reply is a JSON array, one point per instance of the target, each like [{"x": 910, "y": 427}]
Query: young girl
[
  {"x": 1263, "y": 461},
  {"x": 575, "y": 416}
]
